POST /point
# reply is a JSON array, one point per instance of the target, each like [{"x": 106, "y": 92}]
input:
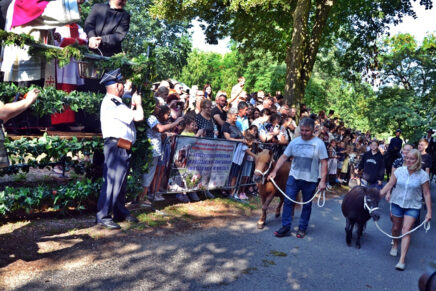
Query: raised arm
[
  {"x": 165, "y": 127},
  {"x": 10, "y": 110},
  {"x": 138, "y": 112}
]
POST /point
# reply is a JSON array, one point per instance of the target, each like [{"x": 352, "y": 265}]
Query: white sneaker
[
  {"x": 158, "y": 197},
  {"x": 393, "y": 252}
]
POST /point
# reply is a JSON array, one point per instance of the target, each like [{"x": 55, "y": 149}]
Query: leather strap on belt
[{"x": 121, "y": 142}]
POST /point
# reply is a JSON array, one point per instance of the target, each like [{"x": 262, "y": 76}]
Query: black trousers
[{"x": 113, "y": 193}]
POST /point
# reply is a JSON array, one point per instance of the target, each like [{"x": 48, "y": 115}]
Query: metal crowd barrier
[{"x": 185, "y": 157}]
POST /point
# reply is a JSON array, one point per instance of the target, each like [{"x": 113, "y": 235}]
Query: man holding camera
[{"x": 119, "y": 134}]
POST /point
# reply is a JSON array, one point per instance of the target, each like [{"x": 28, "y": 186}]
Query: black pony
[{"x": 355, "y": 212}]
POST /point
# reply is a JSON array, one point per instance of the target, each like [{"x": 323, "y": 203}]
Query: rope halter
[
  {"x": 366, "y": 206},
  {"x": 263, "y": 174}
]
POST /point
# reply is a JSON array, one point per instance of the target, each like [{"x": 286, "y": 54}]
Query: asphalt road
[{"x": 241, "y": 257}]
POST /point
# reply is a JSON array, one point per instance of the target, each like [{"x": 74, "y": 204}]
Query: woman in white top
[{"x": 410, "y": 182}]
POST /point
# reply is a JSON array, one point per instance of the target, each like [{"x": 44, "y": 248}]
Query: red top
[{"x": 26, "y": 11}]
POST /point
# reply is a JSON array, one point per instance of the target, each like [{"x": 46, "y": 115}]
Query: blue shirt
[{"x": 242, "y": 123}]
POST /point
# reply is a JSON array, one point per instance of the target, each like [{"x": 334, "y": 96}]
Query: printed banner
[{"x": 200, "y": 164}]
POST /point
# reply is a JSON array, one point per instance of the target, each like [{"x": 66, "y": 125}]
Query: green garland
[
  {"x": 46, "y": 150},
  {"x": 136, "y": 70},
  {"x": 51, "y": 100}
]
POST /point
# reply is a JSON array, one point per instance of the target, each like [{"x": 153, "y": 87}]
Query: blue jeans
[{"x": 293, "y": 186}]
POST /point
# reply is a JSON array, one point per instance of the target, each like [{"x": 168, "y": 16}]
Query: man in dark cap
[
  {"x": 393, "y": 152},
  {"x": 119, "y": 133}
]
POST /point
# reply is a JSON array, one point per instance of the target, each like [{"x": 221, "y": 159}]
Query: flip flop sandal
[{"x": 301, "y": 233}]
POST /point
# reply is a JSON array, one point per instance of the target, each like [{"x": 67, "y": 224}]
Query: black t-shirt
[
  {"x": 232, "y": 130},
  {"x": 205, "y": 124},
  {"x": 395, "y": 145},
  {"x": 426, "y": 161},
  {"x": 223, "y": 116}
]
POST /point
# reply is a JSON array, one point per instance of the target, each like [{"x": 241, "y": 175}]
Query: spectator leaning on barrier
[
  {"x": 247, "y": 167},
  {"x": 199, "y": 97},
  {"x": 119, "y": 133},
  {"x": 204, "y": 119},
  {"x": 154, "y": 129},
  {"x": 191, "y": 128},
  {"x": 232, "y": 133},
  {"x": 308, "y": 152}
]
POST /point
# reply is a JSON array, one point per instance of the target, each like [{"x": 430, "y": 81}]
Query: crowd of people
[{"x": 354, "y": 157}]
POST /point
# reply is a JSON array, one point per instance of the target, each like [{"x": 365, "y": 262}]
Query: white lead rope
[
  {"x": 302, "y": 203},
  {"x": 425, "y": 223}
]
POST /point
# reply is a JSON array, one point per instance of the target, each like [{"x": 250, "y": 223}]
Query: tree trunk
[
  {"x": 301, "y": 55},
  {"x": 294, "y": 89}
]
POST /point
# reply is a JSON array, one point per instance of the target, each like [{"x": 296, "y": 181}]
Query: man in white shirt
[
  {"x": 119, "y": 133},
  {"x": 308, "y": 151}
]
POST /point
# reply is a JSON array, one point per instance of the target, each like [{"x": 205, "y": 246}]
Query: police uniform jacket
[{"x": 116, "y": 119}]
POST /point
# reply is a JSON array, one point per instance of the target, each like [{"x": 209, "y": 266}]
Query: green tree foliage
[
  {"x": 170, "y": 43},
  {"x": 396, "y": 107},
  {"x": 261, "y": 70},
  {"x": 407, "y": 97},
  {"x": 294, "y": 30},
  {"x": 328, "y": 90}
]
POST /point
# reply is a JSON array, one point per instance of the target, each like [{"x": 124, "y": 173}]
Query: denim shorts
[{"x": 400, "y": 211}]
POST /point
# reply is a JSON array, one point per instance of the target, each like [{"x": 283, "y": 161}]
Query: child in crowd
[
  {"x": 341, "y": 152},
  {"x": 238, "y": 158},
  {"x": 191, "y": 128},
  {"x": 332, "y": 164},
  {"x": 247, "y": 167},
  {"x": 345, "y": 169},
  {"x": 155, "y": 129}
]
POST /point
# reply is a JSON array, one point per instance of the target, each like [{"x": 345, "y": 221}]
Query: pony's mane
[{"x": 264, "y": 156}]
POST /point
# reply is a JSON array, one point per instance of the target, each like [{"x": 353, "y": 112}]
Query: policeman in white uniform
[{"x": 119, "y": 133}]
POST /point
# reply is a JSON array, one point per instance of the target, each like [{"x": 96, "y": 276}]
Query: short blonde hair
[{"x": 418, "y": 164}]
